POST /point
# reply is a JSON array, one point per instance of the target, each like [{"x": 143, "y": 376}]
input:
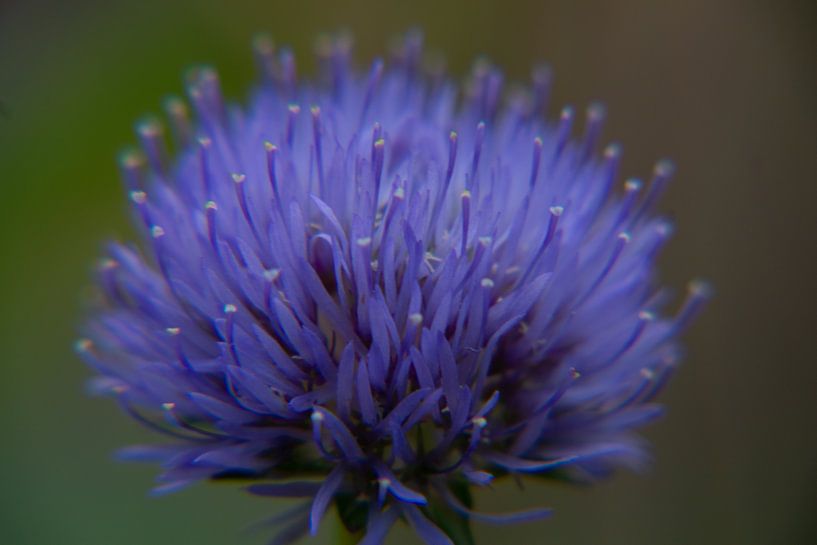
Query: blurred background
[{"x": 728, "y": 89}]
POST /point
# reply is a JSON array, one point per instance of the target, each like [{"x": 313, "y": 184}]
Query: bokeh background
[{"x": 728, "y": 89}]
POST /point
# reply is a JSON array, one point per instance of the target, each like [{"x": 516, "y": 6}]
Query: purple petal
[
  {"x": 324, "y": 496},
  {"x": 424, "y": 527},
  {"x": 500, "y": 519}
]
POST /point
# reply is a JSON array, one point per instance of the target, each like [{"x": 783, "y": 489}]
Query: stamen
[
  {"x": 479, "y": 137},
  {"x": 179, "y": 121},
  {"x": 292, "y": 114},
  {"x": 204, "y": 162},
  {"x": 151, "y": 137},
  {"x": 452, "y": 158},
  {"x": 264, "y": 50},
  {"x": 562, "y": 133},
  {"x": 131, "y": 165},
  {"x": 537, "y": 157},
  {"x": 375, "y": 75},
  {"x": 316, "y": 135},
  {"x": 593, "y": 126},
  {"x": 699, "y": 292},
  {"x": 289, "y": 78},
  {"x": 662, "y": 173},
  {"x": 272, "y": 151},
  {"x": 542, "y": 80},
  {"x": 378, "y": 154},
  {"x": 465, "y": 199}
]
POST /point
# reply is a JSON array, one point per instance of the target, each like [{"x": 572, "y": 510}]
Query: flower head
[{"x": 379, "y": 290}]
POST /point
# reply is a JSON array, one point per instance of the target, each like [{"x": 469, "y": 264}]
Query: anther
[
  {"x": 157, "y": 232},
  {"x": 139, "y": 197},
  {"x": 107, "y": 264},
  {"x": 169, "y": 406},
  {"x": 646, "y": 316},
  {"x": 173, "y": 330},
  {"x": 416, "y": 318},
  {"x": 633, "y": 184},
  {"x": 613, "y": 151},
  {"x": 700, "y": 288},
  {"x": 271, "y": 275},
  {"x": 238, "y": 178},
  {"x": 229, "y": 308},
  {"x": 486, "y": 283}
]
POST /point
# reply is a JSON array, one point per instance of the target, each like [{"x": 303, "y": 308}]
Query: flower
[{"x": 379, "y": 291}]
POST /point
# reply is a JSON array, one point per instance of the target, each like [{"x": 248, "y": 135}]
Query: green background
[{"x": 726, "y": 88}]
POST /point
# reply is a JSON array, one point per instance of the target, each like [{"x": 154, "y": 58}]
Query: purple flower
[{"x": 379, "y": 290}]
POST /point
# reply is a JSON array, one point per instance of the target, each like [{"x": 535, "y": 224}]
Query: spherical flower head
[{"x": 378, "y": 291}]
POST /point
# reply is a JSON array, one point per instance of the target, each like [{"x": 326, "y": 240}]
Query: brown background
[{"x": 725, "y": 88}]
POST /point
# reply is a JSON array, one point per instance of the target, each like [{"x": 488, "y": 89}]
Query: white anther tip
[
  {"x": 646, "y": 316},
  {"x": 139, "y": 197}
]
